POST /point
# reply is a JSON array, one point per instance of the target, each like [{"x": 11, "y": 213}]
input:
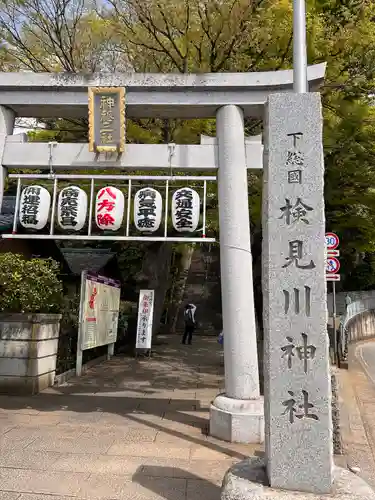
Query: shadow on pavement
[
  {"x": 100, "y": 406},
  {"x": 173, "y": 483},
  {"x": 145, "y": 393}
]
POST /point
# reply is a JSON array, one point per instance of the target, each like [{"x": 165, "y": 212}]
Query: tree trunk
[
  {"x": 169, "y": 297},
  {"x": 161, "y": 286},
  {"x": 154, "y": 276}
]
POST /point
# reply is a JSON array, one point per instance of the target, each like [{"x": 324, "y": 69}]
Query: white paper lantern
[
  {"x": 185, "y": 210},
  {"x": 72, "y": 208},
  {"x": 147, "y": 210},
  {"x": 109, "y": 208},
  {"x": 34, "y": 207}
]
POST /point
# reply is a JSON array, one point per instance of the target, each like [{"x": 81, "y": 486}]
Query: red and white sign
[
  {"x": 333, "y": 253},
  {"x": 145, "y": 319},
  {"x": 332, "y": 241},
  {"x": 333, "y": 277},
  {"x": 332, "y": 265},
  {"x": 109, "y": 208},
  {"x": 100, "y": 307}
]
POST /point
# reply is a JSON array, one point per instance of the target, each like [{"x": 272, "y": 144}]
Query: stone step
[
  {"x": 203, "y": 279},
  {"x": 203, "y": 273},
  {"x": 203, "y": 289}
]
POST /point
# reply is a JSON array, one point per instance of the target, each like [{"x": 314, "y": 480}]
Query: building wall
[
  {"x": 362, "y": 326},
  {"x": 16, "y": 246}
]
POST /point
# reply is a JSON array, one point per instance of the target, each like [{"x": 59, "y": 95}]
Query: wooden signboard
[{"x": 106, "y": 119}]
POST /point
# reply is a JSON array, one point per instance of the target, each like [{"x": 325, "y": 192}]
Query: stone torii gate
[{"x": 237, "y": 415}]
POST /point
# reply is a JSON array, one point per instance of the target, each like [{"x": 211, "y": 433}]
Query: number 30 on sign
[{"x": 332, "y": 241}]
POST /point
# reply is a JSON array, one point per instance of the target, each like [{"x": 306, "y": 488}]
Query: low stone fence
[
  {"x": 28, "y": 347},
  {"x": 358, "y": 323},
  {"x": 356, "y": 296}
]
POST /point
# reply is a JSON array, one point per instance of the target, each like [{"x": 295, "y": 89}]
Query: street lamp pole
[{"x": 300, "y": 85}]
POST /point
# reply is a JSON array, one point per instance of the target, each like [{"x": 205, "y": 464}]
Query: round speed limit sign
[{"x": 332, "y": 241}]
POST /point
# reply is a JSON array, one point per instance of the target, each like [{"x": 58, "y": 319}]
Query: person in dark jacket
[{"x": 190, "y": 323}]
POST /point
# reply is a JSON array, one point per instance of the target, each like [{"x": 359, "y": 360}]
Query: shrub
[
  {"x": 29, "y": 286},
  {"x": 70, "y": 313}
]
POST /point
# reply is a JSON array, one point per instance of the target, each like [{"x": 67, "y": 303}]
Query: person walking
[
  {"x": 190, "y": 323},
  {"x": 221, "y": 338}
]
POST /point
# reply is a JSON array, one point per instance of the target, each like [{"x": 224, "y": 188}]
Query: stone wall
[
  {"x": 337, "y": 437},
  {"x": 362, "y": 326}
]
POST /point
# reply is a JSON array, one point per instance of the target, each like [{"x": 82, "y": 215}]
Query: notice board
[{"x": 100, "y": 305}]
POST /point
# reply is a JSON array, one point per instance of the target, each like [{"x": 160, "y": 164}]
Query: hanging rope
[
  {"x": 171, "y": 152},
  {"x": 51, "y": 145}
]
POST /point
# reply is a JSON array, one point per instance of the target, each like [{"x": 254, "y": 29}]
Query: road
[{"x": 366, "y": 354}]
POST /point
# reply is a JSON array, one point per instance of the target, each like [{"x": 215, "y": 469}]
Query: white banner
[
  {"x": 101, "y": 304},
  {"x": 145, "y": 318}
]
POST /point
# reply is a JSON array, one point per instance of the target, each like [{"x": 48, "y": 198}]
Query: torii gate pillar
[
  {"x": 238, "y": 414},
  {"x": 7, "y": 118}
]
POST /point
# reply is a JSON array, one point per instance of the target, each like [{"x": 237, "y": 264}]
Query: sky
[{"x": 24, "y": 125}]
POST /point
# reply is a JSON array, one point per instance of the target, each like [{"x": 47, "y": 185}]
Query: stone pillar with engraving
[
  {"x": 298, "y": 462},
  {"x": 298, "y": 423}
]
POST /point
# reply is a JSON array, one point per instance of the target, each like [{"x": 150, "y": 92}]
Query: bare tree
[
  {"x": 57, "y": 35},
  {"x": 185, "y": 35}
]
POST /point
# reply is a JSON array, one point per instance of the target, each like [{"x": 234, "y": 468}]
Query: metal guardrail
[{"x": 353, "y": 309}]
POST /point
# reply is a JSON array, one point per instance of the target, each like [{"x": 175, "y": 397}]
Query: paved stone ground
[
  {"x": 128, "y": 429},
  {"x": 357, "y": 395}
]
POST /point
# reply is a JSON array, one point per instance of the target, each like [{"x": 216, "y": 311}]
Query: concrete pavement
[
  {"x": 128, "y": 429},
  {"x": 357, "y": 395}
]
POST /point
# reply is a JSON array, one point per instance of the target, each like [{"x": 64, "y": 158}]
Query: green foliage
[
  {"x": 126, "y": 309},
  {"x": 129, "y": 258},
  {"x": 69, "y": 308},
  {"x": 61, "y": 131},
  {"x": 29, "y": 286}
]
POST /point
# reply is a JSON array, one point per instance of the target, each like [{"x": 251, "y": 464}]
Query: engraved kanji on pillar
[{"x": 297, "y": 382}]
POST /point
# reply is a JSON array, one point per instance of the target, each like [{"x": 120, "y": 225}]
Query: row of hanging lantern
[{"x": 72, "y": 203}]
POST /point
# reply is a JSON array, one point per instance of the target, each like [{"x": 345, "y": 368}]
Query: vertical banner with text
[{"x": 145, "y": 319}]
